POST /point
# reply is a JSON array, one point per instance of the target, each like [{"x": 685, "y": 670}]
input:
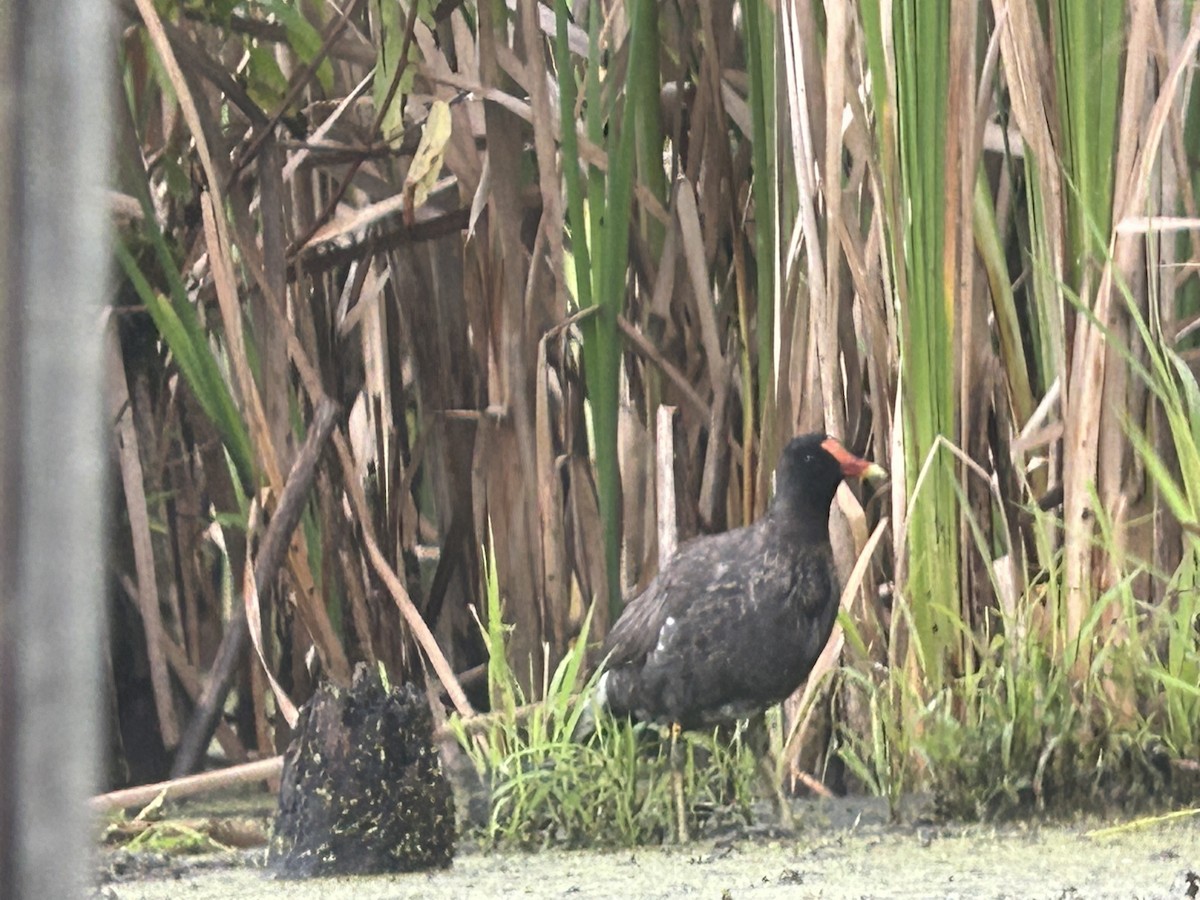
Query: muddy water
[{"x": 841, "y": 849}]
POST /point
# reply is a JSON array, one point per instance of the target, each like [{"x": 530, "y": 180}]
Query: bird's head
[{"x": 810, "y": 470}]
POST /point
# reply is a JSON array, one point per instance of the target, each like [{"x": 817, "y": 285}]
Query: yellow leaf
[{"x": 427, "y": 164}]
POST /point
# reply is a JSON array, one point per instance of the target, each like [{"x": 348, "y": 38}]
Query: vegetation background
[{"x": 471, "y": 250}]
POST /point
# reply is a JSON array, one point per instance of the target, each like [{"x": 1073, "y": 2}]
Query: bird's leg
[
  {"x": 759, "y": 739},
  {"x": 768, "y": 768},
  {"x": 677, "y": 784}
]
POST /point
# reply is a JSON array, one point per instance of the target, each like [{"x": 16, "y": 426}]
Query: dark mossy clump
[
  {"x": 1110, "y": 773},
  {"x": 363, "y": 790}
]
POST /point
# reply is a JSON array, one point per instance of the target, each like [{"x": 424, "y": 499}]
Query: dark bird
[{"x": 734, "y": 622}]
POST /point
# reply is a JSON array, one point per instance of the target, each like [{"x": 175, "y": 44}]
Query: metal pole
[{"x": 55, "y": 62}]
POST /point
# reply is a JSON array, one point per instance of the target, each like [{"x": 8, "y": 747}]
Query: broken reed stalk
[
  {"x": 647, "y": 349},
  {"x": 232, "y": 649},
  {"x": 665, "y": 483}
]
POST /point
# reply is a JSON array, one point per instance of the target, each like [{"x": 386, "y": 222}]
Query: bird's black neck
[{"x": 801, "y": 522}]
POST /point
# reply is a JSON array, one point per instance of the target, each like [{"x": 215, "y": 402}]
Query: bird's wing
[
  {"x": 678, "y": 592},
  {"x": 636, "y": 630}
]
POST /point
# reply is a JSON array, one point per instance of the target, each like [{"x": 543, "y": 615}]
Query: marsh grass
[
  {"x": 1023, "y": 734},
  {"x": 1028, "y": 730},
  {"x": 611, "y": 789},
  {"x": 560, "y": 773}
]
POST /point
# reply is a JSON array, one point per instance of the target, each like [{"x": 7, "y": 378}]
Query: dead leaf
[{"x": 427, "y": 163}]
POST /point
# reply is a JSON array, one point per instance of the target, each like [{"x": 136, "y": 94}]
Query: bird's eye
[{"x": 808, "y": 457}]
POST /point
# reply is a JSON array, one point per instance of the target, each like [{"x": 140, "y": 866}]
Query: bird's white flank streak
[
  {"x": 602, "y": 690},
  {"x": 662, "y": 634}
]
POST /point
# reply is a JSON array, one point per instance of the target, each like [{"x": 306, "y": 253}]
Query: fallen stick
[
  {"x": 812, "y": 784},
  {"x": 188, "y": 786},
  {"x": 245, "y": 773}
]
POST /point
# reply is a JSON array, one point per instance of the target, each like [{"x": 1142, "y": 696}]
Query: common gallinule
[{"x": 734, "y": 622}]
